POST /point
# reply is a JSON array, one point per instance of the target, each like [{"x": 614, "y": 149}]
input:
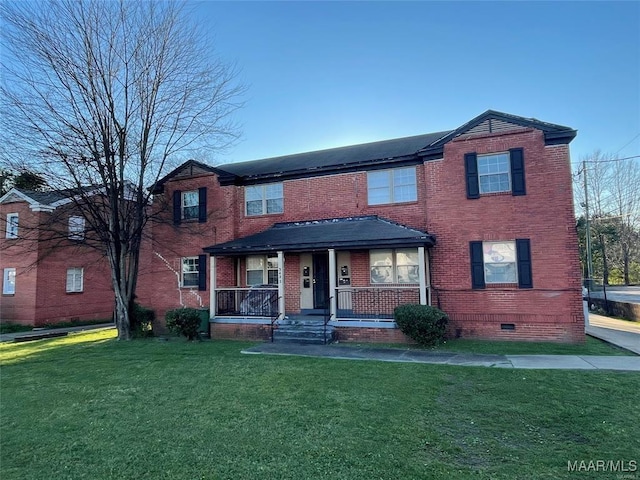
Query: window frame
[
  {"x": 514, "y": 262},
  {"x": 505, "y": 155},
  {"x": 264, "y": 199},
  {"x": 184, "y": 261},
  {"x": 391, "y": 185},
  {"x": 184, "y": 206},
  {"x": 393, "y": 267},
  {"x": 75, "y": 271},
  {"x": 266, "y": 269},
  {"x": 76, "y": 233},
  {"x": 6, "y": 283},
  {"x": 13, "y": 221}
]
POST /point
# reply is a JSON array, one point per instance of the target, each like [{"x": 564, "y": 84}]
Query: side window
[
  {"x": 9, "y": 281},
  {"x": 495, "y": 173},
  {"x": 76, "y": 228},
  {"x": 397, "y": 185},
  {"x": 75, "y": 280},
  {"x": 12, "y": 225},
  {"x": 264, "y": 199},
  {"x": 194, "y": 272},
  {"x": 502, "y": 262}
]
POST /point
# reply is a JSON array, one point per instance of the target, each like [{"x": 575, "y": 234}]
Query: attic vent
[{"x": 491, "y": 125}]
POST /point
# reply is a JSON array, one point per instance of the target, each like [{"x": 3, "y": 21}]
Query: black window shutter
[
  {"x": 177, "y": 204},
  {"x": 477, "y": 265},
  {"x": 518, "y": 186},
  {"x": 471, "y": 172},
  {"x": 202, "y": 204},
  {"x": 523, "y": 252},
  {"x": 202, "y": 272}
]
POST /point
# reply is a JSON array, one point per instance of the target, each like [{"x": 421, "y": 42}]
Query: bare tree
[
  {"x": 613, "y": 191},
  {"x": 102, "y": 98}
]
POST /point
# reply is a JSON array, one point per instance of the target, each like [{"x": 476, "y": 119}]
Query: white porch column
[
  {"x": 212, "y": 286},
  {"x": 333, "y": 301},
  {"x": 280, "y": 285},
  {"x": 423, "y": 276}
]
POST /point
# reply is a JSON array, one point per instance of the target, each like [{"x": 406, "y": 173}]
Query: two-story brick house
[
  {"x": 51, "y": 272},
  {"x": 477, "y": 220}
]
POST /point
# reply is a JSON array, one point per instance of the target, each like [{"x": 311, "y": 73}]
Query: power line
[
  {"x": 612, "y": 159},
  {"x": 628, "y": 143}
]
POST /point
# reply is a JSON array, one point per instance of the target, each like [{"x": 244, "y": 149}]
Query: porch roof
[{"x": 338, "y": 233}]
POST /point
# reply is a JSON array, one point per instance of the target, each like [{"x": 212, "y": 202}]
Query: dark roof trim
[
  {"x": 553, "y": 134},
  {"x": 339, "y": 233},
  {"x": 159, "y": 186}
]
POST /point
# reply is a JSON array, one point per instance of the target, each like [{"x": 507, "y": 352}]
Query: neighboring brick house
[
  {"x": 477, "y": 221},
  {"x": 49, "y": 273}
]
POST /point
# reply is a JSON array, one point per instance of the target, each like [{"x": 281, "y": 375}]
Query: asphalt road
[{"x": 620, "y": 294}]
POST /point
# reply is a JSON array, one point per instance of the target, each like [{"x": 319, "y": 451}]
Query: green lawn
[
  {"x": 592, "y": 346},
  {"x": 89, "y": 407}
]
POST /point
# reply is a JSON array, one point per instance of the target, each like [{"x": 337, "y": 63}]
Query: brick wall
[{"x": 552, "y": 310}]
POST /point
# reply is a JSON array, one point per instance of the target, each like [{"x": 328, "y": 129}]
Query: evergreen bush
[
  {"x": 184, "y": 321},
  {"x": 424, "y": 324}
]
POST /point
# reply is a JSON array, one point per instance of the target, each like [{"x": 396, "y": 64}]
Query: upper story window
[
  {"x": 9, "y": 281},
  {"x": 76, "y": 228},
  {"x": 12, "y": 225},
  {"x": 264, "y": 199},
  {"x": 75, "y": 280},
  {"x": 262, "y": 270},
  {"x": 394, "y": 266},
  {"x": 392, "y": 186},
  {"x": 494, "y": 173},
  {"x": 190, "y": 205}
]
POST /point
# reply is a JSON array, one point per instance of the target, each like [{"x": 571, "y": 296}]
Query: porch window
[
  {"x": 262, "y": 270},
  {"x": 264, "y": 199},
  {"x": 392, "y": 186},
  {"x": 394, "y": 266}
]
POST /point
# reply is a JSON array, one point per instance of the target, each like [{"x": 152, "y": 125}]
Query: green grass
[
  {"x": 88, "y": 407},
  {"x": 592, "y": 346},
  {"x": 10, "y": 327}
]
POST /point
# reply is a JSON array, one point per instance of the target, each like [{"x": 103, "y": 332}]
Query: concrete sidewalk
[
  {"x": 564, "y": 362},
  {"x": 49, "y": 332},
  {"x": 617, "y": 332}
]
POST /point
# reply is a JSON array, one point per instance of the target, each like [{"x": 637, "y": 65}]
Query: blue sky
[{"x": 326, "y": 74}]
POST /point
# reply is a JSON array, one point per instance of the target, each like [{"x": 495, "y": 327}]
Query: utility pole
[{"x": 588, "y": 229}]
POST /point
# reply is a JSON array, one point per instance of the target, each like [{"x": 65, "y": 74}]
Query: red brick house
[
  {"x": 477, "y": 221},
  {"x": 50, "y": 273}
]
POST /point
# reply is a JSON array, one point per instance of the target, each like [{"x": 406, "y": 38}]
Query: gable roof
[
  {"x": 344, "y": 233},
  {"x": 188, "y": 168},
  {"x": 44, "y": 201},
  {"x": 376, "y": 155},
  {"x": 347, "y": 158}
]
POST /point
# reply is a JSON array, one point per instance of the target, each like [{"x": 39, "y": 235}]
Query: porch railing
[
  {"x": 257, "y": 301},
  {"x": 376, "y": 303}
]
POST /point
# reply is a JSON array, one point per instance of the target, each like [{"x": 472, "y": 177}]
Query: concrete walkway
[
  {"x": 49, "y": 332},
  {"x": 564, "y": 362},
  {"x": 617, "y": 332}
]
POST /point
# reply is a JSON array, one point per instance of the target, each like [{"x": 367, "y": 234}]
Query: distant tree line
[{"x": 613, "y": 196}]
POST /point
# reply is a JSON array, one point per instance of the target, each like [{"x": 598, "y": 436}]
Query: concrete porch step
[{"x": 303, "y": 331}]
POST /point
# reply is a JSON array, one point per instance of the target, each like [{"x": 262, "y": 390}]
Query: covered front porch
[{"x": 343, "y": 273}]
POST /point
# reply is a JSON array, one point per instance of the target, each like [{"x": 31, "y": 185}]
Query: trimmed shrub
[
  {"x": 184, "y": 321},
  {"x": 422, "y": 323},
  {"x": 141, "y": 319}
]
